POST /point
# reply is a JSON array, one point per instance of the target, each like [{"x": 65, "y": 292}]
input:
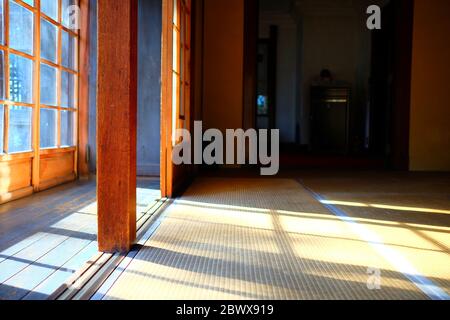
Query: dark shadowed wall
[{"x": 149, "y": 87}]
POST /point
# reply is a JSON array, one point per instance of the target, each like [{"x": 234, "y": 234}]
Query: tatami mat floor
[
  {"x": 258, "y": 239},
  {"x": 409, "y": 212}
]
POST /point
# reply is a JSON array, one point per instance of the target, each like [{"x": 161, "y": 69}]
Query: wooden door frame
[
  {"x": 272, "y": 44},
  {"x": 173, "y": 178},
  {"x": 251, "y": 21},
  {"x": 83, "y": 89},
  {"x": 400, "y": 115},
  {"x": 166, "y": 167}
]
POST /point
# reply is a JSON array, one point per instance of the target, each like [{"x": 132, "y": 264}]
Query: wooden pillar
[{"x": 116, "y": 124}]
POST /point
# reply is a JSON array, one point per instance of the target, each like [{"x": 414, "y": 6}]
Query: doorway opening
[{"x": 337, "y": 91}]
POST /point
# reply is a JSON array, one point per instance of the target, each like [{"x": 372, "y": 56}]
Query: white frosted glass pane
[
  {"x": 19, "y": 129},
  {"x": 67, "y": 120},
  {"x": 67, "y": 90},
  {"x": 20, "y": 28},
  {"x": 48, "y": 85},
  {"x": 68, "y": 50},
  {"x": 21, "y": 79},
  {"x": 48, "y": 128},
  {"x": 2, "y": 23},
  {"x": 49, "y": 34},
  {"x": 2, "y": 75},
  {"x": 68, "y": 12},
  {"x": 50, "y": 8}
]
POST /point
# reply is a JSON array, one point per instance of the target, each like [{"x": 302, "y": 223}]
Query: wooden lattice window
[{"x": 38, "y": 75}]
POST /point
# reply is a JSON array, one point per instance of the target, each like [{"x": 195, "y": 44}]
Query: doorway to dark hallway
[{"x": 337, "y": 91}]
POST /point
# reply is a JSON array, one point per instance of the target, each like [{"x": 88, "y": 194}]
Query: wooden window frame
[{"x": 36, "y": 151}]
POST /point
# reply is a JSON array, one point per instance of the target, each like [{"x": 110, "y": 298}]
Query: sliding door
[
  {"x": 38, "y": 95},
  {"x": 176, "y": 89}
]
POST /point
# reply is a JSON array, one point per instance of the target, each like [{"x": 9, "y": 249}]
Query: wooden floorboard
[
  {"x": 15, "y": 264},
  {"x": 46, "y": 238},
  {"x": 11, "y": 251},
  {"x": 37, "y": 262},
  {"x": 39, "y": 271},
  {"x": 43, "y": 210},
  {"x": 49, "y": 285}
]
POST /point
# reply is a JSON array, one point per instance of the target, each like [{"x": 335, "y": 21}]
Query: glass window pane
[
  {"x": 19, "y": 129},
  {"x": 2, "y": 75},
  {"x": 67, "y": 90},
  {"x": 30, "y": 2},
  {"x": 67, "y": 128},
  {"x": 20, "y": 28},
  {"x": 2, "y": 130},
  {"x": 68, "y": 50},
  {"x": 2, "y": 24},
  {"x": 48, "y": 128},
  {"x": 21, "y": 79},
  {"x": 48, "y": 85},
  {"x": 67, "y": 13},
  {"x": 49, "y": 33},
  {"x": 50, "y": 8}
]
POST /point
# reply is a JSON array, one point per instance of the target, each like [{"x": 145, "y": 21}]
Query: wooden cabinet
[{"x": 330, "y": 119}]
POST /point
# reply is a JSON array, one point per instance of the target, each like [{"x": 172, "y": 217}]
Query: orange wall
[
  {"x": 223, "y": 64},
  {"x": 430, "y": 89}
]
